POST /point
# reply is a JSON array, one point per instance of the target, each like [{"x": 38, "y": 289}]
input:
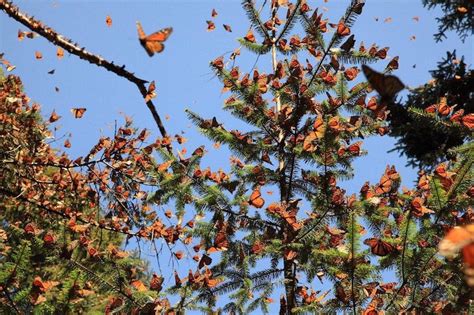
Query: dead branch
[{"x": 73, "y": 48}]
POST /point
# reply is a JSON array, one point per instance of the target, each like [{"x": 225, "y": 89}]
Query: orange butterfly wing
[
  {"x": 161, "y": 35},
  {"x": 379, "y": 247},
  {"x": 78, "y": 112},
  {"x": 153, "y": 47}
]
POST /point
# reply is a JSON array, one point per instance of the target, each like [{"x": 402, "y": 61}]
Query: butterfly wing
[
  {"x": 382, "y": 248},
  {"x": 348, "y": 44},
  {"x": 141, "y": 33},
  {"x": 375, "y": 78},
  {"x": 78, "y": 112},
  {"x": 379, "y": 247},
  {"x": 161, "y": 35},
  {"x": 154, "y": 42},
  {"x": 386, "y": 85},
  {"x": 392, "y": 85},
  {"x": 153, "y": 47}
]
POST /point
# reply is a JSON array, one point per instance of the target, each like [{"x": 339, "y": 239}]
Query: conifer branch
[
  {"x": 52, "y": 36},
  {"x": 98, "y": 278},
  {"x": 405, "y": 238},
  {"x": 465, "y": 167},
  {"x": 335, "y": 38},
  {"x": 289, "y": 22},
  {"x": 254, "y": 17},
  {"x": 10, "y": 300},
  {"x": 64, "y": 215}
]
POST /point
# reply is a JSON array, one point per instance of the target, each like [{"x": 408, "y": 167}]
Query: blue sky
[{"x": 183, "y": 77}]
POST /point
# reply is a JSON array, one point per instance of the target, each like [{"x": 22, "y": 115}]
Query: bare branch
[{"x": 63, "y": 42}]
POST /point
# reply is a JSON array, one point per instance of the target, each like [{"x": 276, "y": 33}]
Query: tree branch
[
  {"x": 62, "y": 214},
  {"x": 63, "y": 42}
]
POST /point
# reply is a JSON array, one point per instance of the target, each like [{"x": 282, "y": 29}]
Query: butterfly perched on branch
[
  {"x": 386, "y": 85},
  {"x": 153, "y": 43},
  {"x": 379, "y": 247}
]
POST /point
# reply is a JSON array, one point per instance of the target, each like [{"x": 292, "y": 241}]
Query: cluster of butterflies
[
  {"x": 211, "y": 26},
  {"x": 386, "y": 85}
]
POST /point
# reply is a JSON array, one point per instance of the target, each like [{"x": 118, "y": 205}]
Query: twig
[
  {"x": 61, "y": 41},
  {"x": 10, "y": 300}
]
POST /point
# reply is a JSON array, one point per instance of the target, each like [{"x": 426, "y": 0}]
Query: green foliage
[{"x": 424, "y": 139}]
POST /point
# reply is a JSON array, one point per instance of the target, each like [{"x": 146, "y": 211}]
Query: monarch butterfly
[
  {"x": 210, "y": 26},
  {"x": 108, "y": 21},
  {"x": 256, "y": 199},
  {"x": 348, "y": 44},
  {"x": 386, "y": 85},
  {"x": 205, "y": 261},
  {"x": 250, "y": 37},
  {"x": 150, "y": 92},
  {"x": 59, "y": 53},
  {"x": 78, "y": 112},
  {"x": 379, "y": 247},
  {"x": 179, "y": 254},
  {"x": 227, "y": 28},
  {"x": 456, "y": 239},
  {"x": 342, "y": 29},
  {"x": 460, "y": 238},
  {"x": 153, "y": 43}
]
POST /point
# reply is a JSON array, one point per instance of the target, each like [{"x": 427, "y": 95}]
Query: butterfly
[
  {"x": 379, "y": 247},
  {"x": 227, "y": 28},
  {"x": 386, "y": 85},
  {"x": 204, "y": 261},
  {"x": 59, "y": 53},
  {"x": 108, "y": 21},
  {"x": 460, "y": 238},
  {"x": 150, "y": 94},
  {"x": 210, "y": 26},
  {"x": 153, "y": 43},
  {"x": 348, "y": 44},
  {"x": 393, "y": 64},
  {"x": 78, "y": 112},
  {"x": 255, "y": 199},
  {"x": 457, "y": 238}
]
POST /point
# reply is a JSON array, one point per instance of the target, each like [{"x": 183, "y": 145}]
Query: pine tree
[
  {"x": 306, "y": 124},
  {"x": 305, "y": 128}
]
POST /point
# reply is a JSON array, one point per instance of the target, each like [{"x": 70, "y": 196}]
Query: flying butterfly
[
  {"x": 153, "y": 43},
  {"x": 78, "y": 112},
  {"x": 386, "y": 85}
]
